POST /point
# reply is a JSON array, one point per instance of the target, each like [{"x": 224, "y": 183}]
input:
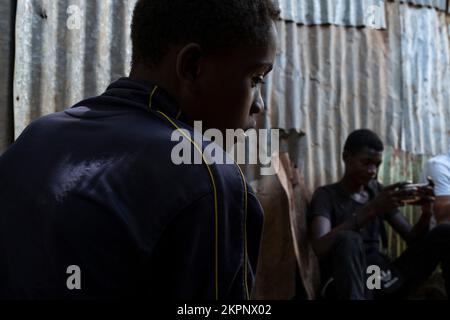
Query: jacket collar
[{"x": 144, "y": 95}]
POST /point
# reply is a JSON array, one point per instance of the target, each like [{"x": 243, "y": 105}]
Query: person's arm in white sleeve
[{"x": 440, "y": 174}]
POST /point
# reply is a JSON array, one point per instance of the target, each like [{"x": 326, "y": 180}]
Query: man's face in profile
[{"x": 228, "y": 93}]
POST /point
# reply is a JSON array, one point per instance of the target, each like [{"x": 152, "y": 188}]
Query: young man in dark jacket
[{"x": 92, "y": 204}]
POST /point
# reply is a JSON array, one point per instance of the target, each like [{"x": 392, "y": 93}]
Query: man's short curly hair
[
  {"x": 214, "y": 24},
  {"x": 359, "y": 139}
]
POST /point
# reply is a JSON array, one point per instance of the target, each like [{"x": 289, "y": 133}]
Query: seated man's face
[
  {"x": 362, "y": 166},
  {"x": 228, "y": 92}
]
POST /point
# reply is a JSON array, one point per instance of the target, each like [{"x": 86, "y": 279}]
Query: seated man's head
[
  {"x": 210, "y": 55},
  {"x": 363, "y": 152}
]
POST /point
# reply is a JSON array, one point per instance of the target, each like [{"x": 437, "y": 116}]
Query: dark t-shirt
[{"x": 334, "y": 203}]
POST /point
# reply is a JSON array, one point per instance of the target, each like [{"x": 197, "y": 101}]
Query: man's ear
[{"x": 188, "y": 64}]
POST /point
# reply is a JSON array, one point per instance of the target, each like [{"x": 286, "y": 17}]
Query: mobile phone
[{"x": 416, "y": 198}]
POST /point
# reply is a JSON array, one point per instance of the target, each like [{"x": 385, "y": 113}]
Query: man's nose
[{"x": 258, "y": 103}]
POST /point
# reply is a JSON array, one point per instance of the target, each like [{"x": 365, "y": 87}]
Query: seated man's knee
[{"x": 348, "y": 241}]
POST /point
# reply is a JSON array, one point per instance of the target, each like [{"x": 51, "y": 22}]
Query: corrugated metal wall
[
  {"x": 425, "y": 80},
  {"x": 438, "y": 4},
  {"x": 67, "y": 50},
  {"x": 345, "y": 12},
  {"x": 7, "y": 10},
  {"x": 363, "y": 13}
]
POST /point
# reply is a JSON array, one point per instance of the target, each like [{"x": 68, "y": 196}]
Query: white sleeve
[{"x": 440, "y": 174}]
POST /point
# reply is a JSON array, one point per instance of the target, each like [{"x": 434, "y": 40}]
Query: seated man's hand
[
  {"x": 390, "y": 198},
  {"x": 427, "y": 199},
  {"x": 426, "y": 195}
]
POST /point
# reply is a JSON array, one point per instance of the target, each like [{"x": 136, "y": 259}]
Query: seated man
[
  {"x": 438, "y": 168},
  {"x": 347, "y": 219},
  {"x": 92, "y": 205}
]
